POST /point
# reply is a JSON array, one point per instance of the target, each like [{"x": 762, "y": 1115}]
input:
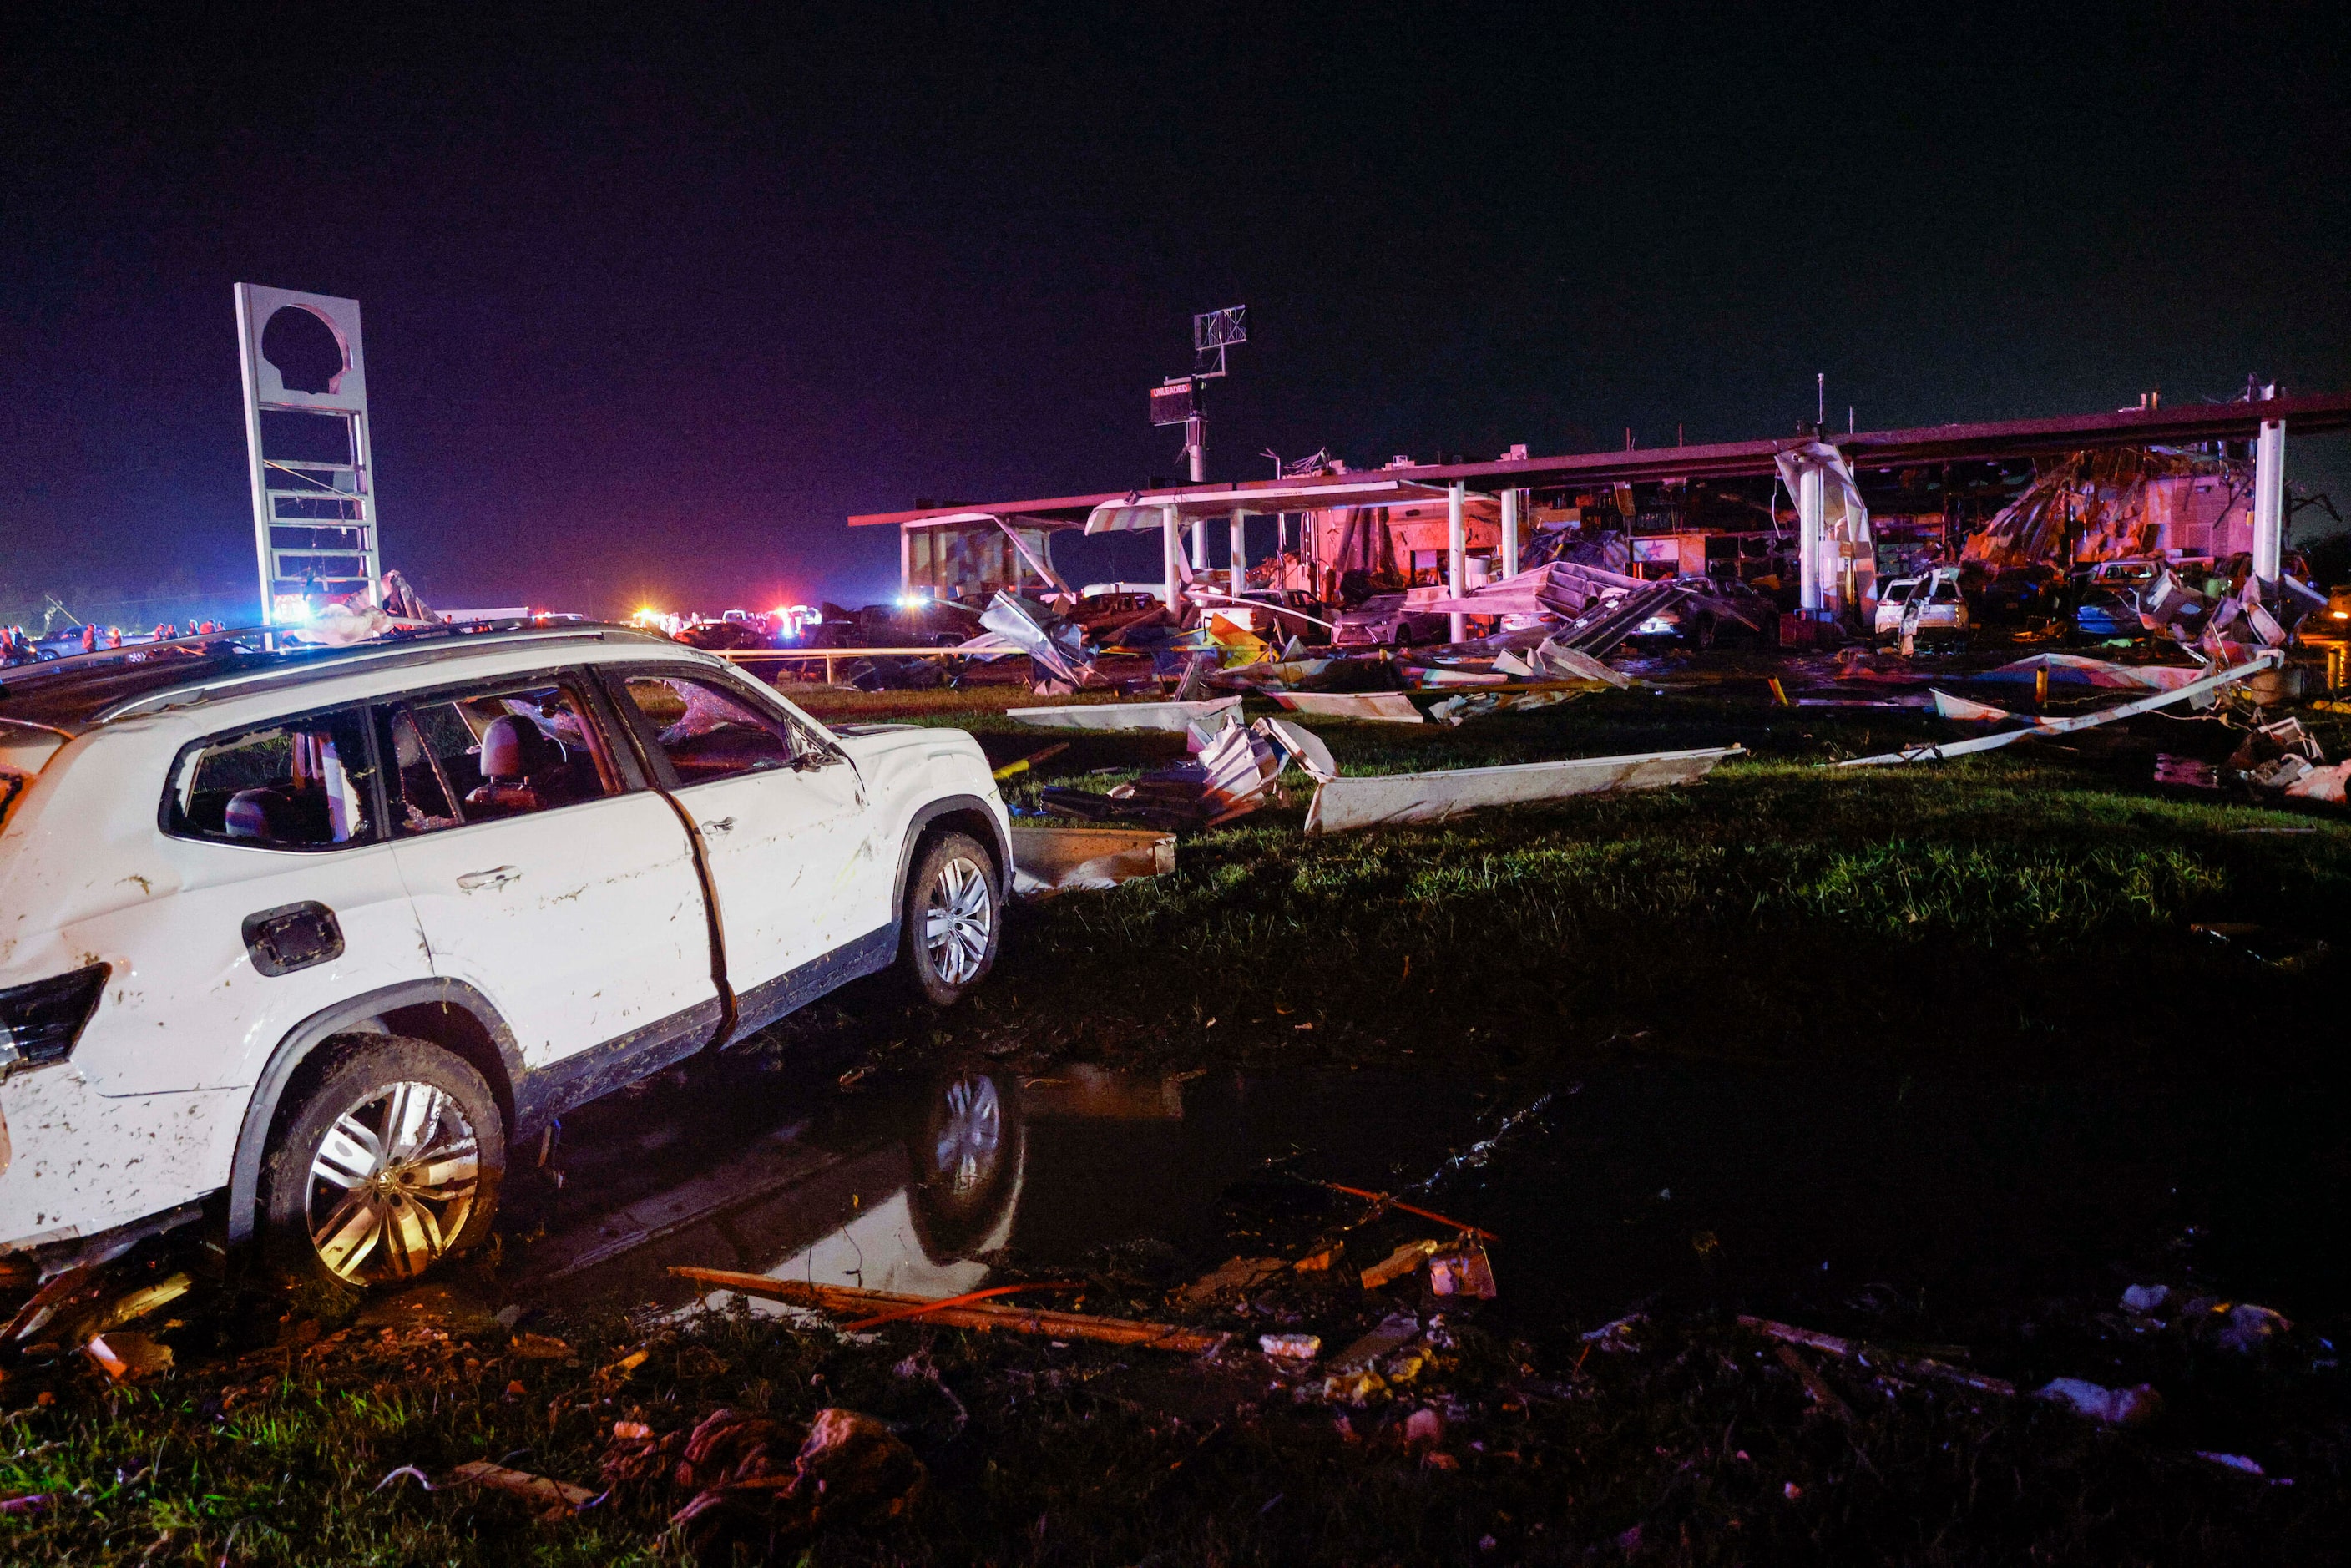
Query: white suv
[{"x": 307, "y": 940}]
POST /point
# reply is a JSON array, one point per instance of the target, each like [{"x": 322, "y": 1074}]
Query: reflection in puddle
[
  {"x": 915, "y": 1191},
  {"x": 1782, "y": 1192}
]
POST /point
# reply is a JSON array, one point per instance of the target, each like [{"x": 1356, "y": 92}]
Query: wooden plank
[{"x": 842, "y": 1300}]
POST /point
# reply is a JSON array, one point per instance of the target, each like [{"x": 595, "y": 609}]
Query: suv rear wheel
[
  {"x": 391, "y": 1162},
  {"x": 949, "y": 932}
]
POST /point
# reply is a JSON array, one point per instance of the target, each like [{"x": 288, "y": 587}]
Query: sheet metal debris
[
  {"x": 1047, "y": 860},
  {"x": 1054, "y": 643},
  {"x": 1375, "y": 707},
  {"x": 1173, "y": 716},
  {"x": 1341, "y": 805},
  {"x": 2045, "y": 725}
]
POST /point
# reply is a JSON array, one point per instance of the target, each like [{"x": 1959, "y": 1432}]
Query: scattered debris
[
  {"x": 1816, "y": 1389},
  {"x": 1053, "y": 644},
  {"x": 2197, "y": 691},
  {"x": 841, "y": 1301},
  {"x": 2245, "y": 1328},
  {"x": 1383, "y": 1202},
  {"x": 2184, "y": 771},
  {"x": 555, "y": 1499},
  {"x": 1291, "y": 1347},
  {"x": 404, "y": 1473},
  {"x": 1618, "y": 1335},
  {"x": 1051, "y": 860},
  {"x": 1394, "y": 1332},
  {"x": 2113, "y": 1406},
  {"x": 127, "y": 1356},
  {"x": 1405, "y": 1259},
  {"x": 1365, "y": 800},
  {"x": 1013, "y": 769},
  {"x": 2242, "y": 1465},
  {"x": 1462, "y": 1270},
  {"x": 2053, "y": 669},
  {"x": 1377, "y": 707},
  {"x": 1230, "y": 1277},
  {"x": 2146, "y": 1298},
  {"x": 1173, "y": 716},
  {"x": 1914, "y": 1366}
]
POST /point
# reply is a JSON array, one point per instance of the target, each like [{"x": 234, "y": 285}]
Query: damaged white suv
[{"x": 305, "y": 941}]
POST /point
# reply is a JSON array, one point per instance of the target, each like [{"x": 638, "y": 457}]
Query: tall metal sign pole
[
  {"x": 308, "y": 450},
  {"x": 1181, "y": 399}
]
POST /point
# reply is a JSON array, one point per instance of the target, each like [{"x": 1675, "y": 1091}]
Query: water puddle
[{"x": 1950, "y": 1205}]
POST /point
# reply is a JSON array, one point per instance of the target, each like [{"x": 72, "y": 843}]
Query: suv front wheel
[
  {"x": 951, "y": 927},
  {"x": 391, "y": 1162}
]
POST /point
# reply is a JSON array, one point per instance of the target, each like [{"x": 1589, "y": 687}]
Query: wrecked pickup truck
[{"x": 304, "y": 942}]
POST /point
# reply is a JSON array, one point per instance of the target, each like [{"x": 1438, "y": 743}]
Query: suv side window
[
  {"x": 305, "y": 783},
  {"x": 506, "y": 750},
  {"x": 709, "y": 732}
]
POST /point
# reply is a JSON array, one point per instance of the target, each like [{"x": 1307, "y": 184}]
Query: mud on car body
[{"x": 307, "y": 940}]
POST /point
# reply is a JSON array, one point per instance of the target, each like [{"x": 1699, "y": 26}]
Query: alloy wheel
[
  {"x": 393, "y": 1183},
  {"x": 957, "y": 917}
]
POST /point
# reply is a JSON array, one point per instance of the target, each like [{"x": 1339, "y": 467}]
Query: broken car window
[
  {"x": 709, "y": 732},
  {"x": 300, "y": 784},
  {"x": 504, "y": 752}
]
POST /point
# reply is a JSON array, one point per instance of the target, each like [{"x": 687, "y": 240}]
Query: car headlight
[{"x": 40, "y": 1022}]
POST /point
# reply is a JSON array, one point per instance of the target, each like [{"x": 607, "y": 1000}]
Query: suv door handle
[
  {"x": 497, "y": 877},
  {"x": 722, "y": 825}
]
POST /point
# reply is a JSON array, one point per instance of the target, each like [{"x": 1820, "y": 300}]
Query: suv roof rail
[{"x": 303, "y": 663}]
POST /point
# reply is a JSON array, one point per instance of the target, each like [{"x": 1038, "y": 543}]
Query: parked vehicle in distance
[
  {"x": 2020, "y": 592},
  {"x": 922, "y": 623},
  {"x": 1941, "y": 609},
  {"x": 2106, "y": 598},
  {"x": 724, "y": 636},
  {"x": 1385, "y": 619},
  {"x": 305, "y": 941}
]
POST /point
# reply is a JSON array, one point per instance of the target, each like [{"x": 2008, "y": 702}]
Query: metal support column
[
  {"x": 2268, "y": 503},
  {"x": 905, "y": 563},
  {"x": 1511, "y": 532},
  {"x": 1239, "y": 540},
  {"x": 1812, "y": 508},
  {"x": 1171, "y": 557},
  {"x": 1457, "y": 564}
]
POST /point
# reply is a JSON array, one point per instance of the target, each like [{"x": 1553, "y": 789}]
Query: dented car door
[
  {"x": 780, "y": 814},
  {"x": 544, "y": 872}
]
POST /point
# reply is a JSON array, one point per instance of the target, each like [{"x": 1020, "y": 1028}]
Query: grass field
[{"x": 2027, "y": 913}]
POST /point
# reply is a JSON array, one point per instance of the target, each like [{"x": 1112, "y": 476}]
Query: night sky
[{"x": 652, "y": 305}]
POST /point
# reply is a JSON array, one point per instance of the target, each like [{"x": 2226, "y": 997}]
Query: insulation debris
[
  {"x": 2076, "y": 669},
  {"x": 1340, "y": 805}
]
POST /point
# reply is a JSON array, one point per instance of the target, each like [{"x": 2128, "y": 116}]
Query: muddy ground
[{"x": 1939, "y": 1063}]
